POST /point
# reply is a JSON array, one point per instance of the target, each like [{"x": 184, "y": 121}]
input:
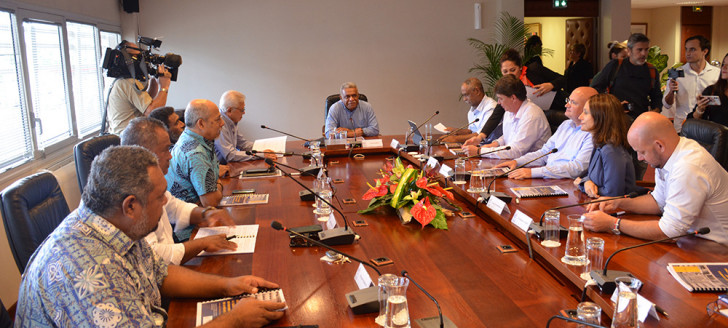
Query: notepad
[
  {"x": 701, "y": 277},
  {"x": 208, "y": 310},
  {"x": 243, "y": 235},
  {"x": 538, "y": 191},
  {"x": 244, "y": 199}
]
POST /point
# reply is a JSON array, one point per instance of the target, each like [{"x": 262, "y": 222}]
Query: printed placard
[
  {"x": 362, "y": 278},
  {"x": 521, "y": 220}
]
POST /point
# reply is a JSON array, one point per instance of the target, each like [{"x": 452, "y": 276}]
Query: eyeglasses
[
  {"x": 719, "y": 306},
  {"x": 571, "y": 101}
]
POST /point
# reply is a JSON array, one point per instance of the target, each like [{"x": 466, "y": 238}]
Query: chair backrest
[
  {"x": 332, "y": 99},
  {"x": 555, "y": 118},
  {"x": 85, "y": 152},
  {"x": 5, "y": 320},
  {"x": 32, "y": 208},
  {"x": 713, "y": 136}
]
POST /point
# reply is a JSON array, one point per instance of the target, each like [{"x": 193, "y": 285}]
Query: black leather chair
[
  {"x": 555, "y": 118},
  {"x": 5, "y": 320},
  {"x": 713, "y": 136},
  {"x": 332, "y": 99},
  {"x": 32, "y": 208},
  {"x": 85, "y": 152}
]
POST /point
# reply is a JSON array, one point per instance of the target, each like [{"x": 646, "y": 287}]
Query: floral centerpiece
[{"x": 412, "y": 192}]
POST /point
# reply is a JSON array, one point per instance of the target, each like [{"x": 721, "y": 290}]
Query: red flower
[
  {"x": 375, "y": 192},
  {"x": 422, "y": 184},
  {"x": 423, "y": 212},
  {"x": 444, "y": 192},
  {"x": 393, "y": 187}
]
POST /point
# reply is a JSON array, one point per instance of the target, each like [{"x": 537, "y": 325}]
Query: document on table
[
  {"x": 544, "y": 101},
  {"x": 277, "y": 144},
  {"x": 243, "y": 235},
  {"x": 440, "y": 127}
]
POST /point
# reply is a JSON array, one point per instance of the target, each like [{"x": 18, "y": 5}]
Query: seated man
[
  {"x": 351, "y": 115},
  {"x": 575, "y": 146},
  {"x": 690, "y": 187},
  {"x": 95, "y": 269},
  {"x": 194, "y": 169},
  {"x": 481, "y": 107},
  {"x": 171, "y": 120},
  {"x": 525, "y": 128},
  {"x": 151, "y": 134},
  {"x": 230, "y": 146}
]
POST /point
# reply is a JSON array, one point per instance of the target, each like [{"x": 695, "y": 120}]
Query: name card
[
  {"x": 331, "y": 223},
  {"x": 432, "y": 162},
  {"x": 362, "y": 278},
  {"x": 446, "y": 171},
  {"x": 521, "y": 220},
  {"x": 497, "y": 205},
  {"x": 372, "y": 143},
  {"x": 394, "y": 144}
]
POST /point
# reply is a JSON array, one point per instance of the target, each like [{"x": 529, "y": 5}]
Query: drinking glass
[
  {"x": 477, "y": 177},
  {"x": 397, "y": 313},
  {"x": 424, "y": 150},
  {"x": 551, "y": 229},
  {"x": 625, "y": 312},
  {"x": 589, "y": 313},
  {"x": 460, "y": 171},
  {"x": 322, "y": 188},
  {"x": 594, "y": 256},
  {"x": 428, "y": 131},
  {"x": 575, "y": 242},
  {"x": 385, "y": 281}
]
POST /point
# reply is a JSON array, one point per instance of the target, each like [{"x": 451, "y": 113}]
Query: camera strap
[{"x": 102, "y": 131}]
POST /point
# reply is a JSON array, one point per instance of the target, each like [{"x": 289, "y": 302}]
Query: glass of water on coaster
[
  {"x": 322, "y": 189},
  {"x": 575, "y": 242},
  {"x": 477, "y": 177},
  {"x": 551, "y": 228},
  {"x": 460, "y": 171}
]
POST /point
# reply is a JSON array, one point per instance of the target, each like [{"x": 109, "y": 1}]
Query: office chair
[
  {"x": 5, "y": 320},
  {"x": 713, "y": 136},
  {"x": 555, "y": 118},
  {"x": 85, "y": 152},
  {"x": 32, "y": 208}
]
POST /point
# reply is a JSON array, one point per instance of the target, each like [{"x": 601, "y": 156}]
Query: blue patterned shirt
[
  {"x": 89, "y": 273},
  {"x": 194, "y": 167}
]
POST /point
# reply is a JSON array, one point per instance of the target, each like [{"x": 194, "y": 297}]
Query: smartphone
[
  {"x": 360, "y": 223},
  {"x": 244, "y": 191},
  {"x": 506, "y": 248},
  {"x": 465, "y": 214},
  {"x": 714, "y": 100},
  {"x": 380, "y": 261},
  {"x": 349, "y": 201}
]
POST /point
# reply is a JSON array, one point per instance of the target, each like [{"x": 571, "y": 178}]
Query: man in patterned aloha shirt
[{"x": 96, "y": 269}]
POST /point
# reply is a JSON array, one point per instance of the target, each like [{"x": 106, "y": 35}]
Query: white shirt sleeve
[{"x": 161, "y": 240}]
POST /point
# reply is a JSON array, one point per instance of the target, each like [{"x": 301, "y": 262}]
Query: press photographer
[{"x": 142, "y": 81}]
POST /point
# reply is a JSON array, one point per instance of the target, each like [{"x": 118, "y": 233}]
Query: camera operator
[
  {"x": 688, "y": 81},
  {"x": 129, "y": 99}
]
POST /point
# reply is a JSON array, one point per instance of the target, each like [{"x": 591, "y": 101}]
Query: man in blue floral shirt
[
  {"x": 194, "y": 169},
  {"x": 95, "y": 269}
]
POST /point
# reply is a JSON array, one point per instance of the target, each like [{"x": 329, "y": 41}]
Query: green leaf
[
  {"x": 375, "y": 203},
  {"x": 439, "y": 221}
]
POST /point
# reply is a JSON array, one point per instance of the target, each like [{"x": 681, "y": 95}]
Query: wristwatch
[
  {"x": 615, "y": 229},
  {"x": 164, "y": 90},
  {"x": 209, "y": 208}
]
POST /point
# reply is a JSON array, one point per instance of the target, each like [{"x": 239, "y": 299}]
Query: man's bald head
[
  {"x": 577, "y": 100},
  {"x": 653, "y": 137},
  {"x": 203, "y": 118}
]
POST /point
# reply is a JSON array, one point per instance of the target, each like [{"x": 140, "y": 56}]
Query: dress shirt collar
[
  {"x": 674, "y": 158},
  {"x": 208, "y": 144},
  {"x": 227, "y": 120},
  {"x": 521, "y": 110},
  {"x": 708, "y": 68},
  {"x": 347, "y": 108},
  {"x": 93, "y": 224}
]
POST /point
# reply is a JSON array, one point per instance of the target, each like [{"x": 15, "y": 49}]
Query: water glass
[
  {"x": 551, "y": 229},
  {"x": 589, "y": 313},
  {"x": 428, "y": 131},
  {"x": 385, "y": 282},
  {"x": 460, "y": 171},
  {"x": 424, "y": 150},
  {"x": 477, "y": 178},
  {"x": 594, "y": 256},
  {"x": 397, "y": 313},
  {"x": 625, "y": 312},
  {"x": 575, "y": 242}
]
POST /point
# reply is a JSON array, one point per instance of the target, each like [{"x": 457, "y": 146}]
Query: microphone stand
[
  {"x": 360, "y": 301},
  {"x": 419, "y": 126},
  {"x": 429, "y": 322},
  {"x": 478, "y": 155},
  {"x": 605, "y": 279},
  {"x": 288, "y": 134},
  {"x": 255, "y": 152},
  {"x": 336, "y": 236},
  {"x": 503, "y": 196},
  {"x": 439, "y": 140}
]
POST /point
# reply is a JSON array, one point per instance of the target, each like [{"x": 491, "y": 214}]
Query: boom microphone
[
  {"x": 281, "y": 132},
  {"x": 429, "y": 322}
]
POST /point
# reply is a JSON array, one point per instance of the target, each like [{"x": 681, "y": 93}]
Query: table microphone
[
  {"x": 537, "y": 228},
  {"x": 361, "y": 301},
  {"x": 311, "y": 169},
  {"x": 281, "y": 132},
  {"x": 605, "y": 279},
  {"x": 439, "y": 140},
  {"x": 336, "y": 236},
  {"x": 255, "y": 152},
  {"x": 428, "y": 322},
  {"x": 486, "y": 153},
  {"x": 503, "y": 196}
]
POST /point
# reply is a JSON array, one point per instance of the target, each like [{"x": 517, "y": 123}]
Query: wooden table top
[{"x": 474, "y": 283}]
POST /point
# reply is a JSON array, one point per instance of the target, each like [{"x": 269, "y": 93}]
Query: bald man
[
  {"x": 691, "y": 188},
  {"x": 575, "y": 146},
  {"x": 194, "y": 168}
]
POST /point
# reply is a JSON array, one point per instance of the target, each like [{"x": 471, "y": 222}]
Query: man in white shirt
[
  {"x": 574, "y": 146},
  {"x": 151, "y": 134},
  {"x": 525, "y": 128},
  {"x": 231, "y": 145},
  {"x": 481, "y": 107},
  {"x": 691, "y": 187},
  {"x": 698, "y": 75}
]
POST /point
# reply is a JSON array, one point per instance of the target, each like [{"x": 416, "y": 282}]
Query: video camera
[
  {"x": 120, "y": 64},
  {"x": 675, "y": 73}
]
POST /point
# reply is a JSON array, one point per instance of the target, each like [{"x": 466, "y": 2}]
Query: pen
[
  {"x": 661, "y": 311},
  {"x": 232, "y": 237}
]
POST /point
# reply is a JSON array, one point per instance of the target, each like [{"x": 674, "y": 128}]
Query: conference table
[{"x": 475, "y": 284}]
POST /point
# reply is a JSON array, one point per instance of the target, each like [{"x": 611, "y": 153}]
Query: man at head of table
[{"x": 691, "y": 187}]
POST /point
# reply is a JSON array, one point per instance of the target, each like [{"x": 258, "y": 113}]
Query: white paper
[
  {"x": 544, "y": 101},
  {"x": 644, "y": 306},
  {"x": 497, "y": 205},
  {"x": 440, "y": 127},
  {"x": 372, "y": 143},
  {"x": 277, "y": 144},
  {"x": 331, "y": 223},
  {"x": 362, "y": 278},
  {"x": 246, "y": 236},
  {"x": 446, "y": 171},
  {"x": 394, "y": 144},
  {"x": 521, "y": 220}
]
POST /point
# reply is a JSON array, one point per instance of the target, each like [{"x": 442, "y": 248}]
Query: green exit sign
[{"x": 560, "y": 4}]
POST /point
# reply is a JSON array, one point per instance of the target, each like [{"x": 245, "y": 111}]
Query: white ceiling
[{"x": 645, "y": 4}]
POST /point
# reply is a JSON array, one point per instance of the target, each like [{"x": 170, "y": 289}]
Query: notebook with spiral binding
[
  {"x": 208, "y": 310},
  {"x": 701, "y": 277},
  {"x": 538, "y": 191},
  {"x": 244, "y": 199}
]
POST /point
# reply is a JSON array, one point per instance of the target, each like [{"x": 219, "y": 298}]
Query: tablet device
[{"x": 416, "y": 135}]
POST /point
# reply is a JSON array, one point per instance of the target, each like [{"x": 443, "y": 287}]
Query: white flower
[
  {"x": 88, "y": 281},
  {"x": 106, "y": 315}
]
